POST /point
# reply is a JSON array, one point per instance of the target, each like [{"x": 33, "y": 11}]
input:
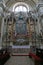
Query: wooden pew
[
  {"x": 38, "y": 57},
  {"x": 4, "y": 56}
]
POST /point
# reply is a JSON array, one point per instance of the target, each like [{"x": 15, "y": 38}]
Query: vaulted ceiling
[
  {"x": 29, "y": 2},
  {"x": 32, "y": 3}
]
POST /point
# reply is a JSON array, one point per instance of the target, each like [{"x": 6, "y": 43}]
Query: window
[{"x": 20, "y": 9}]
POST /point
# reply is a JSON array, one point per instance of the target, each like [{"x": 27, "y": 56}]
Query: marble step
[{"x": 20, "y": 50}]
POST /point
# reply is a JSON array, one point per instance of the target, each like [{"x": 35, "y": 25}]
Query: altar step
[
  {"x": 20, "y": 54},
  {"x": 20, "y": 50}
]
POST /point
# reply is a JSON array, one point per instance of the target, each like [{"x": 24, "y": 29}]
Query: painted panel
[{"x": 21, "y": 27}]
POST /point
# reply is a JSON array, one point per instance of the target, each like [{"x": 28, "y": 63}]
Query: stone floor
[{"x": 19, "y": 60}]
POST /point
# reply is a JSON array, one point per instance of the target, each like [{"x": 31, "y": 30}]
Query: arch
[{"x": 21, "y": 4}]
